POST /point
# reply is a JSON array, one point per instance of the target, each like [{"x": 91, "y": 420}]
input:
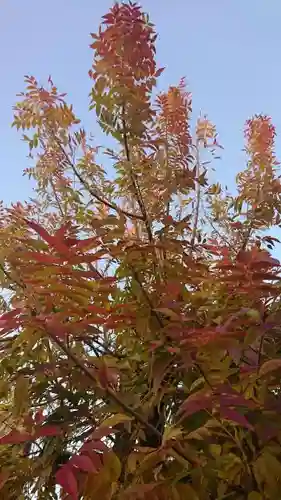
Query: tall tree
[{"x": 139, "y": 335}]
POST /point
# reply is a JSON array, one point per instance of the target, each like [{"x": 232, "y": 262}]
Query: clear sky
[{"x": 229, "y": 50}]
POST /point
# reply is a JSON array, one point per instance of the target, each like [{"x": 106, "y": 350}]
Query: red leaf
[
  {"x": 99, "y": 445},
  {"x": 55, "y": 328},
  {"x": 41, "y": 257},
  {"x": 234, "y": 416},
  {"x": 10, "y": 314},
  {"x": 86, "y": 259},
  {"x": 154, "y": 345},
  {"x": 201, "y": 400},
  {"x": 81, "y": 244},
  {"x": 67, "y": 480},
  {"x": 229, "y": 397},
  {"x": 60, "y": 233},
  {"x": 16, "y": 437},
  {"x": 55, "y": 242},
  {"x": 158, "y": 72},
  {"x": 48, "y": 430},
  {"x": 83, "y": 462},
  {"x": 90, "y": 446},
  {"x": 40, "y": 230},
  {"x": 39, "y": 417}
]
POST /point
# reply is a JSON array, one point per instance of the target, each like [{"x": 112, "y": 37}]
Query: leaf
[
  {"x": 158, "y": 72},
  {"x": 55, "y": 242},
  {"x": 44, "y": 258},
  {"x": 171, "y": 433},
  {"x": 139, "y": 490},
  {"x": 118, "y": 418},
  {"x": 48, "y": 431},
  {"x": 101, "y": 432},
  {"x": 112, "y": 465},
  {"x": 270, "y": 366},
  {"x": 201, "y": 400},
  {"x": 83, "y": 462},
  {"x": 185, "y": 491},
  {"x": 67, "y": 480},
  {"x": 4, "y": 476},
  {"x": 168, "y": 312},
  {"x": 16, "y": 437},
  {"x": 21, "y": 395},
  {"x": 229, "y": 397},
  {"x": 159, "y": 370},
  {"x": 90, "y": 446},
  {"x": 254, "y": 495},
  {"x": 234, "y": 416}
]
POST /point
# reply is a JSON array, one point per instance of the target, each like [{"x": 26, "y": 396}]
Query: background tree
[{"x": 140, "y": 338}]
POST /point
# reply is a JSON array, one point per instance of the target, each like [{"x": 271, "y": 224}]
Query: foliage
[{"x": 140, "y": 326}]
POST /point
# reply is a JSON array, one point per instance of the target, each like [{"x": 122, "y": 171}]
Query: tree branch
[
  {"x": 93, "y": 192},
  {"x": 136, "y": 188},
  {"x": 198, "y": 192},
  {"x": 114, "y": 397}
]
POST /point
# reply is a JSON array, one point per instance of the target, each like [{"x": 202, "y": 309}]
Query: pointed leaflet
[
  {"x": 140, "y": 490},
  {"x": 67, "y": 480},
  {"x": 53, "y": 241},
  {"x": 82, "y": 462},
  {"x": 116, "y": 419},
  {"x": 201, "y": 400},
  {"x": 270, "y": 366},
  {"x": 43, "y": 258},
  {"x": 91, "y": 446},
  {"x": 4, "y": 476},
  {"x": 234, "y": 416},
  {"x": 48, "y": 431},
  {"x": 16, "y": 437},
  {"x": 229, "y": 397},
  {"x": 9, "y": 321}
]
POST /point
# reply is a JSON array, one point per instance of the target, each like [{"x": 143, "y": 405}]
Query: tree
[{"x": 140, "y": 326}]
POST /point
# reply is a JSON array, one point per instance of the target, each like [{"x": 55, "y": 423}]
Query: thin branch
[
  {"x": 248, "y": 233},
  {"x": 93, "y": 192},
  {"x": 114, "y": 397},
  {"x": 134, "y": 181},
  {"x": 146, "y": 296},
  {"x": 109, "y": 392},
  {"x": 198, "y": 193},
  {"x": 57, "y": 198},
  {"x": 9, "y": 277}
]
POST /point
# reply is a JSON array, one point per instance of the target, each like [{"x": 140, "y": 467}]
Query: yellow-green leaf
[
  {"x": 270, "y": 366},
  {"x": 118, "y": 418},
  {"x": 254, "y": 495}
]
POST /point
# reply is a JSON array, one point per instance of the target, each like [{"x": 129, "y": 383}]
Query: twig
[
  {"x": 198, "y": 192},
  {"x": 107, "y": 390},
  {"x": 94, "y": 193},
  {"x": 114, "y": 397},
  {"x": 57, "y": 198},
  {"x": 136, "y": 188},
  {"x": 9, "y": 277},
  {"x": 146, "y": 296}
]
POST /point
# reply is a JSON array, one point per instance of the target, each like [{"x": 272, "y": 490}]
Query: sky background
[{"x": 229, "y": 51}]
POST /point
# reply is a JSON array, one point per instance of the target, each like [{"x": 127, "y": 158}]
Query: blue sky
[{"x": 228, "y": 50}]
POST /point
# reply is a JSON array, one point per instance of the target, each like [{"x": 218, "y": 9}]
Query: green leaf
[
  {"x": 171, "y": 433},
  {"x": 21, "y": 397},
  {"x": 112, "y": 421},
  {"x": 254, "y": 495}
]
